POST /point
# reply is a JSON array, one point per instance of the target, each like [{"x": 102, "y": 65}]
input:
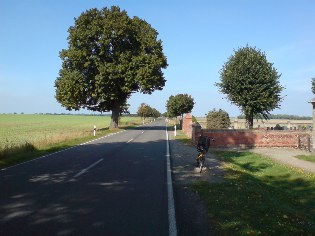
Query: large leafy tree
[
  {"x": 110, "y": 56},
  {"x": 179, "y": 104},
  {"x": 251, "y": 82}
]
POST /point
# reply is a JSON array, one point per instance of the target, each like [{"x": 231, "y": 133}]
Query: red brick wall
[{"x": 256, "y": 138}]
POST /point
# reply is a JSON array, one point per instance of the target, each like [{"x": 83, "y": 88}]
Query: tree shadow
[
  {"x": 251, "y": 202},
  {"x": 114, "y": 197}
]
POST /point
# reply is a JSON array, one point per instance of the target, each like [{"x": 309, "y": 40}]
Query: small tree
[
  {"x": 313, "y": 85},
  {"x": 251, "y": 82},
  {"x": 218, "y": 119},
  {"x": 179, "y": 105},
  {"x": 143, "y": 111},
  {"x": 155, "y": 113}
]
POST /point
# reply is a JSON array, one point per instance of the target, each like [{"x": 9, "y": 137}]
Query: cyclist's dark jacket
[{"x": 203, "y": 142}]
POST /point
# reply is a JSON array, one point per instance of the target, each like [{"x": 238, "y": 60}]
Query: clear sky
[{"x": 198, "y": 38}]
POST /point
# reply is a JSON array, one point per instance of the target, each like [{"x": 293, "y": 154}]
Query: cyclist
[{"x": 202, "y": 148}]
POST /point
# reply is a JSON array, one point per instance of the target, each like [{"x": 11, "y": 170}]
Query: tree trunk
[
  {"x": 114, "y": 118},
  {"x": 250, "y": 121},
  {"x": 181, "y": 121}
]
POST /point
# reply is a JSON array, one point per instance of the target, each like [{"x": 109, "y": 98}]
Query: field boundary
[{"x": 63, "y": 150}]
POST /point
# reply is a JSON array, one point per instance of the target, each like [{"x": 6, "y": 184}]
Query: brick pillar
[
  {"x": 313, "y": 128},
  {"x": 187, "y": 125},
  {"x": 196, "y": 131}
]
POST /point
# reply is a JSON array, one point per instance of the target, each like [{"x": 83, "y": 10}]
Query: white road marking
[
  {"x": 130, "y": 140},
  {"x": 172, "y": 230},
  {"x": 86, "y": 169}
]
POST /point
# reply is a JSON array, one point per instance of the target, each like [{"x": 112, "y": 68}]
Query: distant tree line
[
  {"x": 280, "y": 116},
  {"x": 145, "y": 111}
]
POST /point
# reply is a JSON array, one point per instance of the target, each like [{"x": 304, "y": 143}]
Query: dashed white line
[
  {"x": 89, "y": 167},
  {"x": 130, "y": 140}
]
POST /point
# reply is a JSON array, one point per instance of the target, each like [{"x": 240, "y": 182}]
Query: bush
[
  {"x": 194, "y": 120},
  {"x": 218, "y": 119}
]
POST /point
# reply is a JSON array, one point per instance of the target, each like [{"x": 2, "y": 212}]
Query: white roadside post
[
  {"x": 174, "y": 130},
  {"x": 94, "y": 130}
]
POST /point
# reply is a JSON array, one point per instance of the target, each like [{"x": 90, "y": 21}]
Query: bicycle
[
  {"x": 201, "y": 158},
  {"x": 202, "y": 148}
]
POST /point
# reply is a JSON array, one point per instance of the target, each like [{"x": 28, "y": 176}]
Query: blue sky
[{"x": 198, "y": 38}]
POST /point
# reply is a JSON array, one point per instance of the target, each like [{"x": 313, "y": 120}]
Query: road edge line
[{"x": 170, "y": 195}]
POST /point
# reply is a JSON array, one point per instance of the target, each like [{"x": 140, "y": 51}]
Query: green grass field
[
  {"x": 260, "y": 197},
  {"x": 28, "y": 133}
]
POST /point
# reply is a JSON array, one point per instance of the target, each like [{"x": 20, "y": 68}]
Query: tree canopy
[
  {"x": 179, "y": 104},
  {"x": 313, "y": 85},
  {"x": 251, "y": 83},
  {"x": 109, "y": 57}
]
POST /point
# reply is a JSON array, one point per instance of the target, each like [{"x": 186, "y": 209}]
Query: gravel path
[{"x": 287, "y": 156}]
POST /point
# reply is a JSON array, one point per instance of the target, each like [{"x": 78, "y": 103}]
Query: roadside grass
[
  {"x": 180, "y": 135},
  {"x": 310, "y": 158},
  {"x": 259, "y": 197},
  {"x": 25, "y": 137}
]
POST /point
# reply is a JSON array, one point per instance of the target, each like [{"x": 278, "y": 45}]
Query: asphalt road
[{"x": 116, "y": 185}]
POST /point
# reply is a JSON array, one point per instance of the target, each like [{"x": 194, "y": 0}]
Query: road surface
[{"x": 116, "y": 185}]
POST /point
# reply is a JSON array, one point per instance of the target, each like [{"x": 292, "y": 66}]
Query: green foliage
[
  {"x": 218, "y": 119},
  {"x": 313, "y": 85},
  {"x": 165, "y": 114},
  {"x": 145, "y": 110},
  {"x": 194, "y": 120},
  {"x": 109, "y": 57},
  {"x": 251, "y": 83},
  {"x": 179, "y": 105},
  {"x": 310, "y": 158}
]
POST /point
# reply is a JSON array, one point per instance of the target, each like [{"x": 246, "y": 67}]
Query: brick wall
[{"x": 256, "y": 138}]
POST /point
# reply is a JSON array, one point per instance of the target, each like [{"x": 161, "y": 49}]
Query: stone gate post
[
  {"x": 313, "y": 128},
  {"x": 196, "y": 131}
]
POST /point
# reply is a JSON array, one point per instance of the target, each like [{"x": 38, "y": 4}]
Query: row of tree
[
  {"x": 110, "y": 56},
  {"x": 281, "y": 116},
  {"x": 145, "y": 111}
]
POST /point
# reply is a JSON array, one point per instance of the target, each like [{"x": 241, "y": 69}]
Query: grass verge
[
  {"x": 25, "y": 152},
  {"x": 180, "y": 135},
  {"x": 310, "y": 158},
  {"x": 259, "y": 197}
]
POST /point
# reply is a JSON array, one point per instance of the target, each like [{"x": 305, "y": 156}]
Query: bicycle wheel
[{"x": 201, "y": 164}]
